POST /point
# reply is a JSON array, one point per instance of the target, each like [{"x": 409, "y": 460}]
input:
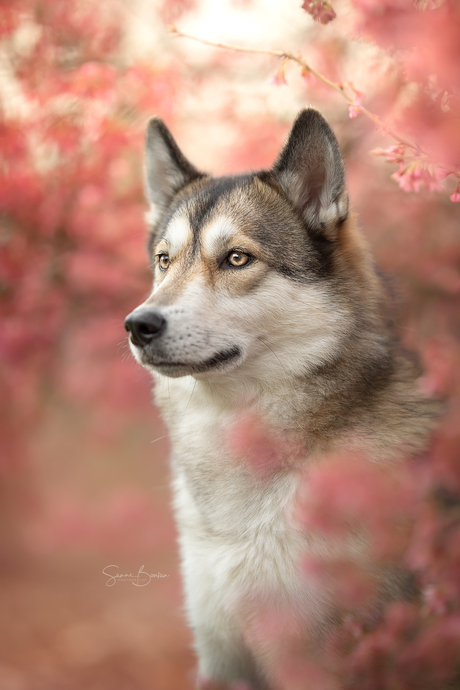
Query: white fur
[
  {"x": 214, "y": 235},
  {"x": 178, "y": 235},
  {"x": 237, "y": 547},
  {"x": 328, "y": 211}
]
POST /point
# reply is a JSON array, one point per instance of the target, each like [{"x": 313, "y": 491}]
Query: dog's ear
[
  {"x": 166, "y": 168},
  {"x": 311, "y": 172}
]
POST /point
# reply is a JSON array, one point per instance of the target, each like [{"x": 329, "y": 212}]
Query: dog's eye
[
  {"x": 163, "y": 261},
  {"x": 238, "y": 259}
]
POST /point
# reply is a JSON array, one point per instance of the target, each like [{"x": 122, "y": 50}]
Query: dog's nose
[{"x": 144, "y": 325}]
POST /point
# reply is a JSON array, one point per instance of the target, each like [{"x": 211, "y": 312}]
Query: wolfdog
[{"x": 266, "y": 305}]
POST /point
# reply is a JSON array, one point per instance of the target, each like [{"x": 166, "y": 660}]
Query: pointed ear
[
  {"x": 311, "y": 172},
  {"x": 166, "y": 168}
]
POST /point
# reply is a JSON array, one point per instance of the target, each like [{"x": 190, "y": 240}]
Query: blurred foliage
[{"x": 74, "y": 98}]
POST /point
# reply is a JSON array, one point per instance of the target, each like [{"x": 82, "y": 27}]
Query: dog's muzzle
[{"x": 144, "y": 325}]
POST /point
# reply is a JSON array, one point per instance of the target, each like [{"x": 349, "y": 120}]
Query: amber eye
[
  {"x": 238, "y": 259},
  {"x": 163, "y": 261}
]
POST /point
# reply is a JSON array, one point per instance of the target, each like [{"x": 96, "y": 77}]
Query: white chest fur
[{"x": 238, "y": 544}]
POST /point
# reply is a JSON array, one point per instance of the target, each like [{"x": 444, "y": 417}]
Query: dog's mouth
[{"x": 175, "y": 369}]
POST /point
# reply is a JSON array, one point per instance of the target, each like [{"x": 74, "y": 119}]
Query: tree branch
[{"x": 285, "y": 55}]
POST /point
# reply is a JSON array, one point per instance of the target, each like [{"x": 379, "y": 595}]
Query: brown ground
[
  {"x": 84, "y": 505},
  {"x": 62, "y": 628}
]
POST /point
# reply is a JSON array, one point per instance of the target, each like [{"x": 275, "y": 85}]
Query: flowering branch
[
  {"x": 345, "y": 90},
  {"x": 354, "y": 99}
]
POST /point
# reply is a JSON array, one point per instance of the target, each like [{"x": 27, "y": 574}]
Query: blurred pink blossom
[
  {"x": 321, "y": 10},
  {"x": 354, "y": 109},
  {"x": 279, "y": 79}
]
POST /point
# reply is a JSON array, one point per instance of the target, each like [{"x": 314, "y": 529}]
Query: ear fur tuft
[{"x": 311, "y": 172}]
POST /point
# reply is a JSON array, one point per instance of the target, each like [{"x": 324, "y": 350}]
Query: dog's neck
[{"x": 356, "y": 397}]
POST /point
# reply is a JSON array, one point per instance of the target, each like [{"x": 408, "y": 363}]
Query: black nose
[{"x": 144, "y": 325}]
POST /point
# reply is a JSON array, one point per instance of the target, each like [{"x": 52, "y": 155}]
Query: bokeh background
[{"x": 83, "y": 471}]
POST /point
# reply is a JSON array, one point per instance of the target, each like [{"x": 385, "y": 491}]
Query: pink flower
[
  {"x": 308, "y": 77},
  {"x": 455, "y": 197},
  {"x": 278, "y": 80},
  {"x": 405, "y": 178},
  {"x": 415, "y": 175},
  {"x": 280, "y": 77},
  {"x": 354, "y": 109},
  {"x": 394, "y": 154},
  {"x": 253, "y": 445}
]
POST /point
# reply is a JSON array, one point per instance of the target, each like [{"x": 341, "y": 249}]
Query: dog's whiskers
[
  {"x": 271, "y": 350},
  {"x": 160, "y": 438},
  {"x": 191, "y": 394}
]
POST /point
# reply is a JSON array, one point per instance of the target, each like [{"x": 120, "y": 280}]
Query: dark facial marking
[
  {"x": 201, "y": 367},
  {"x": 287, "y": 244},
  {"x": 207, "y": 199}
]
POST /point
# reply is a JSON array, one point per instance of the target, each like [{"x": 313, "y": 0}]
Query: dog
[{"x": 266, "y": 306}]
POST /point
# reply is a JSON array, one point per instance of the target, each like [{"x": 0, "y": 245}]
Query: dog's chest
[
  {"x": 226, "y": 512},
  {"x": 229, "y": 492}
]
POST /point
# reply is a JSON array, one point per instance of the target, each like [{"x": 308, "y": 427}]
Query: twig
[{"x": 285, "y": 55}]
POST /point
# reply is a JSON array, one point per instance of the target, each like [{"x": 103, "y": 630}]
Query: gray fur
[
  {"x": 311, "y": 171},
  {"x": 166, "y": 168}
]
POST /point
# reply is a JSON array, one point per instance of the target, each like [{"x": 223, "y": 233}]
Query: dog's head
[{"x": 244, "y": 266}]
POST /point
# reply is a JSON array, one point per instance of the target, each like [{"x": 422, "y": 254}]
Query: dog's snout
[{"x": 144, "y": 325}]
